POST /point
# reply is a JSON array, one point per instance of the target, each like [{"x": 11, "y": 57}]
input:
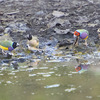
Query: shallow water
[{"x": 50, "y": 79}]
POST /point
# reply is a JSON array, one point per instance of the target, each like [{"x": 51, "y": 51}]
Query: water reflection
[
  {"x": 40, "y": 80},
  {"x": 52, "y": 86},
  {"x": 81, "y": 68},
  {"x": 70, "y": 90}
]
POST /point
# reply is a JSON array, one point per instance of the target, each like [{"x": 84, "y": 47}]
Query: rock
[
  {"x": 92, "y": 43},
  {"x": 65, "y": 42},
  {"x": 58, "y": 31},
  {"x": 94, "y": 23},
  {"x": 15, "y": 65},
  {"x": 9, "y": 56},
  {"x": 39, "y": 13},
  {"x": 16, "y": 27},
  {"x": 91, "y": 25},
  {"x": 1, "y": 13},
  {"x": 98, "y": 30},
  {"x": 21, "y": 60},
  {"x": 1, "y": 29},
  {"x": 7, "y": 30},
  {"x": 12, "y": 13},
  {"x": 58, "y": 13},
  {"x": 54, "y": 22},
  {"x": 2, "y": 1},
  {"x": 53, "y": 42},
  {"x": 91, "y": 1},
  {"x": 66, "y": 23},
  {"x": 6, "y": 61},
  {"x": 82, "y": 19}
]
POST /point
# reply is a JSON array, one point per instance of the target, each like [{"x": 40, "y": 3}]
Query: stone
[
  {"x": 1, "y": 29},
  {"x": 58, "y": 13},
  {"x": 40, "y": 13},
  {"x": 54, "y": 22},
  {"x": 59, "y": 31}
]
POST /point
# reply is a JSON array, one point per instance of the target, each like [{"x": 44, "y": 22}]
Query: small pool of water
[{"x": 50, "y": 80}]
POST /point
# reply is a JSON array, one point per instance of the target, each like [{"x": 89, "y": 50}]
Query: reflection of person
[
  {"x": 81, "y": 33},
  {"x": 81, "y": 68}
]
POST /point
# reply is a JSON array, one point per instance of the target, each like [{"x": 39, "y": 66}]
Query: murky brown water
[{"x": 50, "y": 80}]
